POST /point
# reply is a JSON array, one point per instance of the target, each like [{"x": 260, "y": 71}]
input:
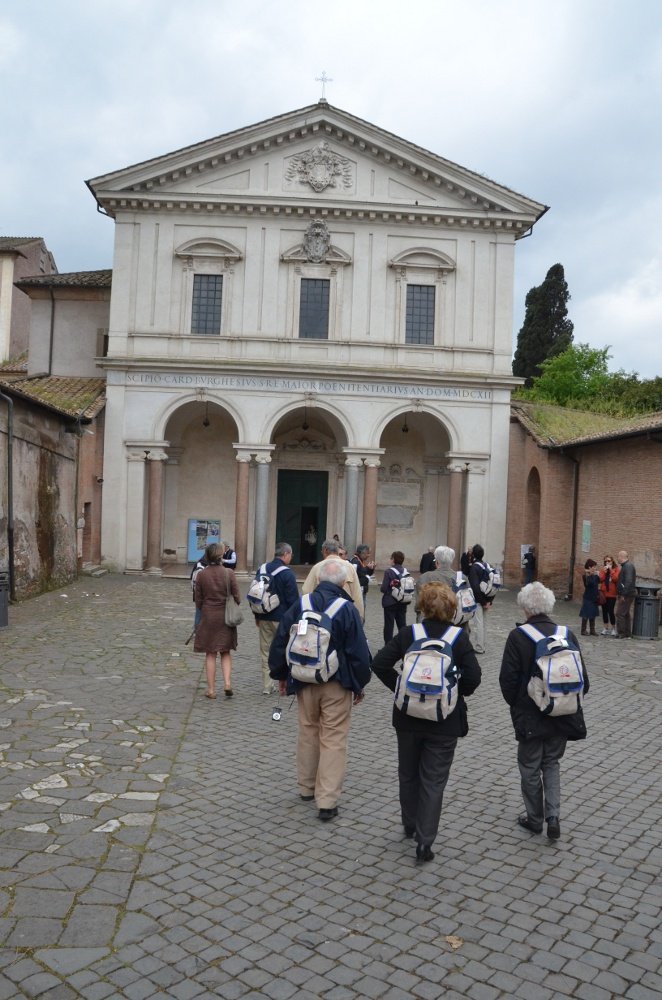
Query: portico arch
[
  {"x": 413, "y": 491},
  {"x": 308, "y": 481},
  {"x": 200, "y": 472}
]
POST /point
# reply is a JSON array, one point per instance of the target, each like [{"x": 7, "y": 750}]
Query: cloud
[
  {"x": 553, "y": 102},
  {"x": 627, "y": 315}
]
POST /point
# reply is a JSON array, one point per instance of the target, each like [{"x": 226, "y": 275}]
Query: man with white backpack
[
  {"x": 543, "y": 679},
  {"x": 272, "y": 591},
  {"x": 321, "y": 654},
  {"x": 482, "y": 580}
]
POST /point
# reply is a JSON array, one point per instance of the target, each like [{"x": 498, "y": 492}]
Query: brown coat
[{"x": 212, "y": 634}]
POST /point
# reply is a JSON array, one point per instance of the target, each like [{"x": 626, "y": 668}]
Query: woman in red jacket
[{"x": 608, "y": 578}]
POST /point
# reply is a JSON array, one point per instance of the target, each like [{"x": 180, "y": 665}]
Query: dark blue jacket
[
  {"x": 347, "y": 638},
  {"x": 285, "y": 586}
]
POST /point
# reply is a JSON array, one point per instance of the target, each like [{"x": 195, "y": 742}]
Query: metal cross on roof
[{"x": 323, "y": 79}]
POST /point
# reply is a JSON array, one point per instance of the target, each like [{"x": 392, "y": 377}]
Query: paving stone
[{"x": 209, "y": 893}]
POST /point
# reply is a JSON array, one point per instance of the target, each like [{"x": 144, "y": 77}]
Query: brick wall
[{"x": 619, "y": 491}]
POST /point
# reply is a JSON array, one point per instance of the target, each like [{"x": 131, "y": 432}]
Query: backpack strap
[
  {"x": 335, "y": 606},
  {"x": 451, "y": 634},
  {"x": 261, "y": 571},
  {"x": 277, "y": 571},
  {"x": 306, "y": 603},
  {"x": 533, "y": 633},
  {"x": 419, "y": 631}
]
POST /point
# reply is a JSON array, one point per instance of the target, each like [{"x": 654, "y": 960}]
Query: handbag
[
  {"x": 233, "y": 614},
  {"x": 602, "y": 598}
]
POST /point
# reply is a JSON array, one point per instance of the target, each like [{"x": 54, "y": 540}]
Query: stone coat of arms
[{"x": 321, "y": 168}]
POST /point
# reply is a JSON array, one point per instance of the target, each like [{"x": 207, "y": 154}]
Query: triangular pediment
[{"x": 318, "y": 156}]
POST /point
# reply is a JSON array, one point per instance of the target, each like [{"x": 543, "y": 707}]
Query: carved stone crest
[
  {"x": 321, "y": 168},
  {"x": 316, "y": 242}
]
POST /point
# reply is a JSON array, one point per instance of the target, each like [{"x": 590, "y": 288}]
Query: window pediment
[
  {"x": 209, "y": 249},
  {"x": 422, "y": 258},
  {"x": 299, "y": 255}
]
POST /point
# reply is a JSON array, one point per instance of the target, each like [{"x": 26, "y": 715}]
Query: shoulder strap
[
  {"x": 451, "y": 634},
  {"x": 533, "y": 633},
  {"x": 419, "y": 631},
  {"x": 306, "y": 603},
  {"x": 277, "y": 571},
  {"x": 561, "y": 631},
  {"x": 335, "y": 606}
]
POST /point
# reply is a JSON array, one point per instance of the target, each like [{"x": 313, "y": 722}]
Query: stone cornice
[{"x": 474, "y": 218}]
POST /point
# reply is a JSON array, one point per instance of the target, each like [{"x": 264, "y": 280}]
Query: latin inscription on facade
[{"x": 248, "y": 383}]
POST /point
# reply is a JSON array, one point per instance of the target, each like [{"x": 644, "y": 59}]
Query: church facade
[{"x": 310, "y": 333}]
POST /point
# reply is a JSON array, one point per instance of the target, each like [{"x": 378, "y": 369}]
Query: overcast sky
[{"x": 560, "y": 102}]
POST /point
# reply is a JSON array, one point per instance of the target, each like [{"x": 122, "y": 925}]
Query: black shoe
[
  {"x": 409, "y": 831},
  {"x": 326, "y": 814},
  {"x": 306, "y": 798},
  {"x": 553, "y": 828},
  {"x": 524, "y": 821},
  {"x": 424, "y": 853}
]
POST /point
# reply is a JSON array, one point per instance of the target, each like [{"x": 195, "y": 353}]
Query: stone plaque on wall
[{"x": 399, "y": 498}]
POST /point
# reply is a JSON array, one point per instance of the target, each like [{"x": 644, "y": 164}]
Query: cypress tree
[{"x": 546, "y": 330}]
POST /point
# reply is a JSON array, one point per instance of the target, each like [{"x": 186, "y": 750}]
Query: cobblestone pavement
[{"x": 153, "y": 842}]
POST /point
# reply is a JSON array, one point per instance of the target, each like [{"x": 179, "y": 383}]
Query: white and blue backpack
[
  {"x": 403, "y": 591},
  {"x": 308, "y": 655},
  {"x": 261, "y": 599},
  {"x": 466, "y": 602},
  {"x": 557, "y": 686},
  {"x": 428, "y": 684},
  {"x": 490, "y": 579}
]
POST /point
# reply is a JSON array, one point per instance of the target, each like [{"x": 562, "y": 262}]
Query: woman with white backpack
[{"x": 429, "y": 712}]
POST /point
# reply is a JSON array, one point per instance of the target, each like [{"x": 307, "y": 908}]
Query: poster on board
[{"x": 201, "y": 533}]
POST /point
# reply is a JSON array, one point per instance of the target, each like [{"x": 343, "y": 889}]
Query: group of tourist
[
  {"x": 610, "y": 589},
  {"x": 428, "y": 719}
]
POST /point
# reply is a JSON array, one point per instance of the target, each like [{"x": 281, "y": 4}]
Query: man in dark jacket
[
  {"x": 541, "y": 738},
  {"x": 626, "y": 590},
  {"x": 324, "y": 709},
  {"x": 426, "y": 747},
  {"x": 284, "y": 585},
  {"x": 477, "y": 627}
]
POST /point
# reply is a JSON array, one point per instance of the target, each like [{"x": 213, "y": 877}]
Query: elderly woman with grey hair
[{"x": 541, "y": 738}]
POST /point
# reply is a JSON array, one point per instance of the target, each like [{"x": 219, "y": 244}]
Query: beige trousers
[
  {"x": 324, "y": 717},
  {"x": 267, "y": 632}
]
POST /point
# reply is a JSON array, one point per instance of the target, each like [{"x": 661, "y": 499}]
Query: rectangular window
[
  {"x": 314, "y": 308},
  {"x": 206, "y": 312},
  {"x": 420, "y": 314}
]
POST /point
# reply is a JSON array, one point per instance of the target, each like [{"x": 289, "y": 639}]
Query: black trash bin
[
  {"x": 4, "y": 600},
  {"x": 646, "y": 612}
]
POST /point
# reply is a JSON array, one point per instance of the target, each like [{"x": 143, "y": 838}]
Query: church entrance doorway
[{"x": 301, "y": 512}]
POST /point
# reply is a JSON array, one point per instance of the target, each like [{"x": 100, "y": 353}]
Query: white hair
[
  {"x": 535, "y": 599},
  {"x": 443, "y": 556},
  {"x": 333, "y": 571}
]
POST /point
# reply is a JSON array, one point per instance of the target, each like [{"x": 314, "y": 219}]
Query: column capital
[
  {"x": 372, "y": 456},
  {"x": 352, "y": 457},
  {"x": 143, "y": 451},
  {"x": 261, "y": 452}
]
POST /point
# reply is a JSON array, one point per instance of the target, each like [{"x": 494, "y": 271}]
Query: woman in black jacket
[
  {"x": 426, "y": 747},
  {"x": 541, "y": 739}
]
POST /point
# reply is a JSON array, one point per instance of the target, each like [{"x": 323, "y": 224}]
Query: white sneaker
[
  {"x": 614, "y": 632},
  {"x": 605, "y": 631}
]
